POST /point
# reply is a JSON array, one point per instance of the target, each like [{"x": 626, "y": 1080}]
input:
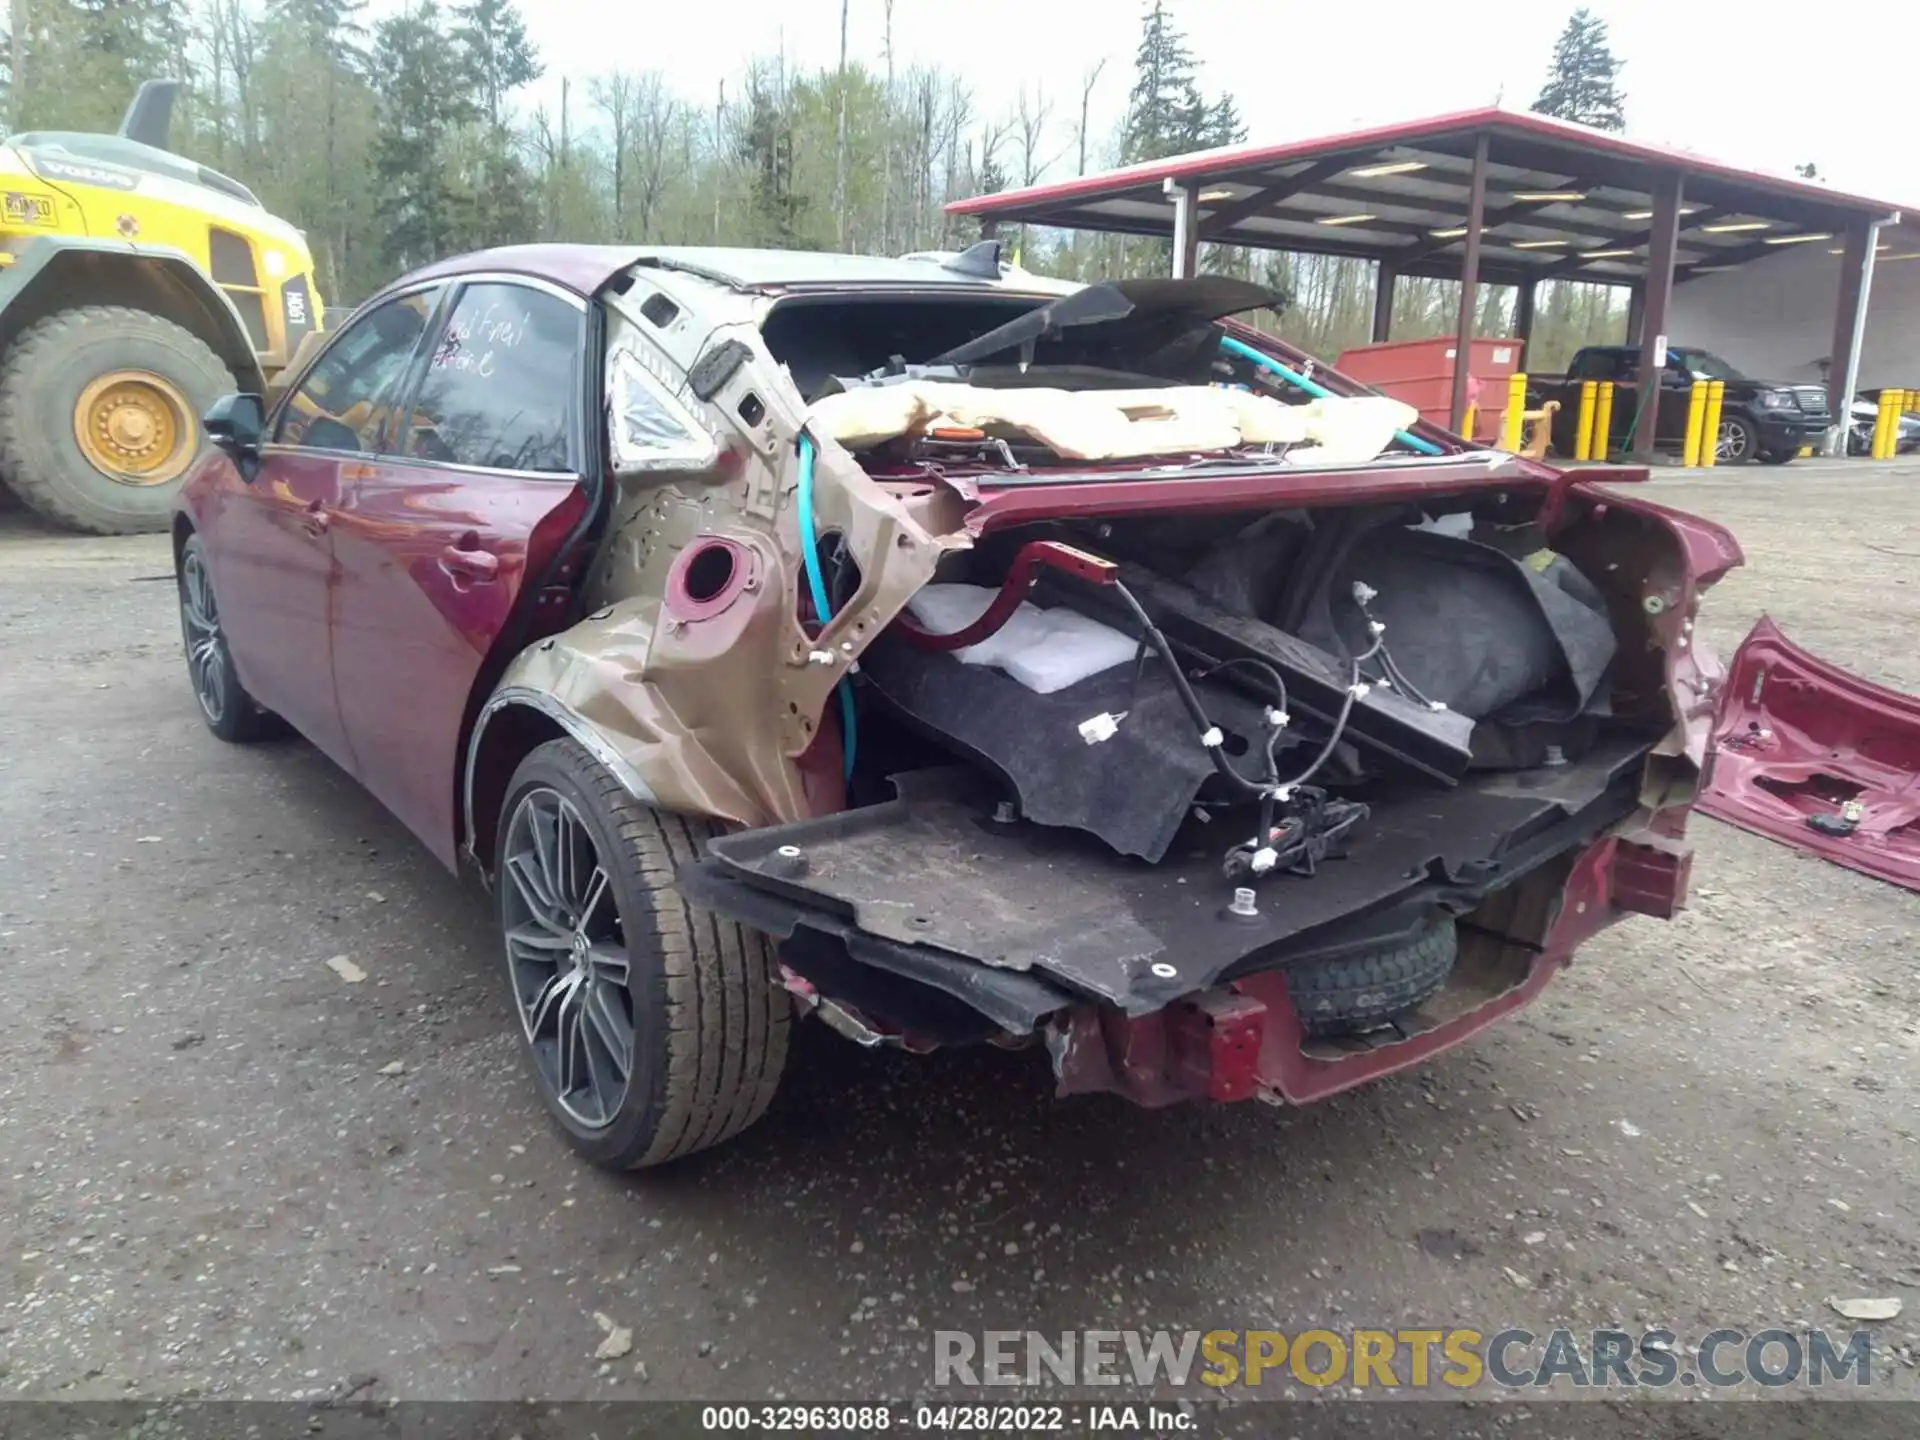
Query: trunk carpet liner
[
  {"x": 933, "y": 869},
  {"x": 1472, "y": 626},
  {"x": 1133, "y": 790}
]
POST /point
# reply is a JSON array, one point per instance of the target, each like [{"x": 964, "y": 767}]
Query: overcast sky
[{"x": 1766, "y": 83}]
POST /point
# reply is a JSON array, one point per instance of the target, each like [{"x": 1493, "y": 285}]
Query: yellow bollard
[
  {"x": 1473, "y": 419},
  {"x": 1603, "y": 422},
  {"x": 1583, "y": 432},
  {"x": 1696, "y": 424},
  {"x": 1710, "y": 432},
  {"x": 1510, "y": 419},
  {"x": 1884, "y": 426}
]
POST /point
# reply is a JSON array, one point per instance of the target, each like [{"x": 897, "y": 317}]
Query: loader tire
[
  {"x": 1359, "y": 992},
  {"x": 696, "y": 1000},
  {"x": 100, "y": 410}
]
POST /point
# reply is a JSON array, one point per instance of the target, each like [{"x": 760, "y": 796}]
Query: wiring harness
[{"x": 1299, "y": 824}]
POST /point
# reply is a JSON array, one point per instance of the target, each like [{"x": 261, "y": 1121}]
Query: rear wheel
[
  {"x": 653, "y": 1029},
  {"x": 1360, "y": 992},
  {"x": 100, "y": 416}
]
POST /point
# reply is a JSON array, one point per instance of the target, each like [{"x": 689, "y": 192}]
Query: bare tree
[
  {"x": 886, "y": 134},
  {"x": 655, "y": 116},
  {"x": 1030, "y": 131},
  {"x": 239, "y": 41},
  {"x": 840, "y": 139},
  {"x": 1030, "y": 124},
  {"x": 1086, "y": 104},
  {"x": 614, "y": 94},
  {"x": 19, "y": 23},
  {"x": 719, "y": 151}
]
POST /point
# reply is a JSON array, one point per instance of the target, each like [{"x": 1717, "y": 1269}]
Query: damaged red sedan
[{"x": 952, "y": 655}]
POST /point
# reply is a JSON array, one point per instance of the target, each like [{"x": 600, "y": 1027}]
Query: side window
[
  {"x": 345, "y": 402},
  {"x": 1600, "y": 363},
  {"x": 502, "y": 388}
]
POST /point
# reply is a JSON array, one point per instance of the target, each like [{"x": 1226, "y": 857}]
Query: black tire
[
  {"x": 45, "y": 373},
  {"x": 1778, "y": 457},
  {"x": 230, "y": 712},
  {"x": 707, "y": 1019},
  {"x": 1738, "y": 442},
  {"x": 1359, "y": 992}
]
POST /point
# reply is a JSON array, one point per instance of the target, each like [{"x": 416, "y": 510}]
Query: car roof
[
  {"x": 586, "y": 269},
  {"x": 779, "y": 269}
]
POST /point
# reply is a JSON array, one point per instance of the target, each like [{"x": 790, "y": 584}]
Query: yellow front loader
[{"x": 136, "y": 288}]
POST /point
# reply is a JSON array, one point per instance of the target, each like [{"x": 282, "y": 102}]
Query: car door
[
  {"x": 273, "y": 563},
  {"x": 436, "y": 537},
  {"x": 1675, "y": 400}
]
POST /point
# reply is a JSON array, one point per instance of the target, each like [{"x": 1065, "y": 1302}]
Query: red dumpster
[{"x": 1420, "y": 372}]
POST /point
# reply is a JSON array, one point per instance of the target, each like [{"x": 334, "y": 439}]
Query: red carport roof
[{"x": 1306, "y": 195}]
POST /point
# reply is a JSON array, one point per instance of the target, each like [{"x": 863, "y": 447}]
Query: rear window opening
[
  {"x": 1127, "y": 371},
  {"x": 820, "y": 338}
]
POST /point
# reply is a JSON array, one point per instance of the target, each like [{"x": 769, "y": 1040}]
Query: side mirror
[{"x": 237, "y": 424}]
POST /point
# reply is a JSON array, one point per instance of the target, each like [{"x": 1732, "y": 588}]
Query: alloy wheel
[
  {"x": 206, "y": 645},
  {"x": 1731, "y": 444},
  {"x": 567, "y": 957}
]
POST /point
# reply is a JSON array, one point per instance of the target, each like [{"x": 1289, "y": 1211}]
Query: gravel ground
[{"x": 209, "y": 1186}]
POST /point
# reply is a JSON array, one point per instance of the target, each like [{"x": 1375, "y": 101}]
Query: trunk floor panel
[{"x": 933, "y": 869}]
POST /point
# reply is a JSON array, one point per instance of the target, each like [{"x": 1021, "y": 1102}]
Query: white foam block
[{"x": 1045, "y": 650}]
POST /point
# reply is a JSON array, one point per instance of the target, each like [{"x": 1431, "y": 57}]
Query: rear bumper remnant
[{"x": 1244, "y": 1039}]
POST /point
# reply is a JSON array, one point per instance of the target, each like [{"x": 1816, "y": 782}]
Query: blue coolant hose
[
  {"x": 1313, "y": 388},
  {"x": 817, "y": 587}
]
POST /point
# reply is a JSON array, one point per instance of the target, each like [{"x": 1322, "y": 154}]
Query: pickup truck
[{"x": 1763, "y": 420}]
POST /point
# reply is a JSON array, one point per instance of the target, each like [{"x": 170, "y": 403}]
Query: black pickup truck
[{"x": 1762, "y": 420}]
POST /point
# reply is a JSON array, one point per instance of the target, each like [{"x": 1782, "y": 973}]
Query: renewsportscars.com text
[{"x": 1411, "y": 1359}]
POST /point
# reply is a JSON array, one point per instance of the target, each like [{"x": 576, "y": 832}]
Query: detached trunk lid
[{"x": 1816, "y": 758}]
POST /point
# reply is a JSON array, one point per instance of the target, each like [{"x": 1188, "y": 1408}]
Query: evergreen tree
[
  {"x": 766, "y": 148},
  {"x": 1165, "y": 114},
  {"x": 495, "y": 193},
  {"x": 421, "y": 101},
  {"x": 80, "y": 61},
  {"x": 1223, "y": 124},
  {"x": 1583, "y": 80},
  {"x": 312, "y": 79},
  {"x": 495, "y": 53}
]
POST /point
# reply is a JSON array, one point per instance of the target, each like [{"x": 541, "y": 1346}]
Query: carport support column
[
  {"x": 1523, "y": 317},
  {"x": 1469, "y": 286},
  {"x": 1387, "y": 273},
  {"x": 1849, "y": 329},
  {"x": 1186, "y": 229},
  {"x": 1657, "y": 292}
]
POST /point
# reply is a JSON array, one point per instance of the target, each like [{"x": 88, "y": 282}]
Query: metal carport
[{"x": 1508, "y": 197}]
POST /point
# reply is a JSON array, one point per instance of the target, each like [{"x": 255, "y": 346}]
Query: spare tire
[{"x": 1363, "y": 991}]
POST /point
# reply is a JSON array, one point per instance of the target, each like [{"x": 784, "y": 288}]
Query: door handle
[
  {"x": 478, "y": 566},
  {"x": 314, "y": 519}
]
